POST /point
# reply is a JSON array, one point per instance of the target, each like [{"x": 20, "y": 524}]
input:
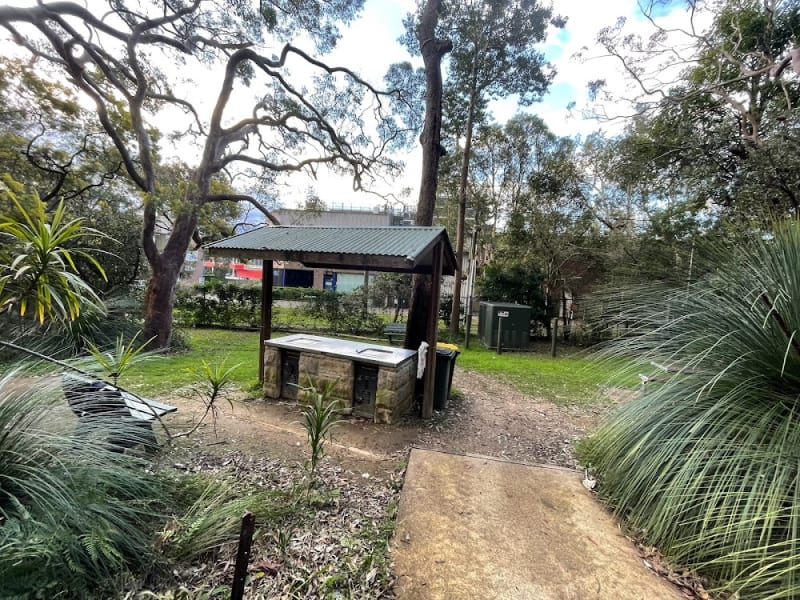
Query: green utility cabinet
[{"x": 516, "y": 324}]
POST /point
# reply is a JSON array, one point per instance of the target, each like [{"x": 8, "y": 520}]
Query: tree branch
[{"x": 244, "y": 198}]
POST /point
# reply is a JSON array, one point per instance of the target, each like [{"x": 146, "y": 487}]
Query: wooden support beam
[
  {"x": 266, "y": 314},
  {"x": 432, "y": 333}
]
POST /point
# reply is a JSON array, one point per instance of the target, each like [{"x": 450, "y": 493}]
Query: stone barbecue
[{"x": 371, "y": 381}]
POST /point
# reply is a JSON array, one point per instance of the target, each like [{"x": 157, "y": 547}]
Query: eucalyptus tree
[
  {"x": 720, "y": 99},
  {"x": 423, "y": 36},
  {"x": 245, "y": 113},
  {"x": 547, "y": 225},
  {"x": 494, "y": 55},
  {"x": 48, "y": 140}
]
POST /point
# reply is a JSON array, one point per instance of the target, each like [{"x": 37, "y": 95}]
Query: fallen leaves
[{"x": 334, "y": 543}]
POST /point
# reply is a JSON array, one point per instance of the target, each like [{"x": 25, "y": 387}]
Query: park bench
[
  {"x": 394, "y": 330},
  {"x": 127, "y": 418}
]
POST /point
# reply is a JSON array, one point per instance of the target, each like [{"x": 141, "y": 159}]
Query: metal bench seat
[{"x": 127, "y": 417}]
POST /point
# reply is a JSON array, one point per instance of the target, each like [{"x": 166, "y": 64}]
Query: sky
[{"x": 370, "y": 45}]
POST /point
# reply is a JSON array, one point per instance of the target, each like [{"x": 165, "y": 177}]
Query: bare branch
[{"x": 244, "y": 198}]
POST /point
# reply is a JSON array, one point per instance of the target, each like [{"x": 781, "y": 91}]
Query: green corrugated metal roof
[{"x": 338, "y": 245}]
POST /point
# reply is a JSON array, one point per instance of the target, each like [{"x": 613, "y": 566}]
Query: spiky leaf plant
[
  {"x": 212, "y": 515},
  {"x": 73, "y": 513},
  {"x": 117, "y": 361},
  {"x": 707, "y": 462},
  {"x": 320, "y": 414},
  {"x": 40, "y": 277}
]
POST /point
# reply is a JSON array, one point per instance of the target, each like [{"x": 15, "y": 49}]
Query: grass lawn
[
  {"x": 571, "y": 378},
  {"x": 160, "y": 374}
]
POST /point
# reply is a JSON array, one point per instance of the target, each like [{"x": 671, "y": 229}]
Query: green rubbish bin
[{"x": 443, "y": 380}]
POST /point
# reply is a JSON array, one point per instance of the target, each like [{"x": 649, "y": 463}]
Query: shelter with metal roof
[
  {"x": 398, "y": 249},
  {"x": 422, "y": 250}
]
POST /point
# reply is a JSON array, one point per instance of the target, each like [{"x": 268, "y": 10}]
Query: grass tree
[
  {"x": 705, "y": 463},
  {"x": 73, "y": 515}
]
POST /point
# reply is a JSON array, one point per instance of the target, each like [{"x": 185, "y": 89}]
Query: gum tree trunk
[{"x": 432, "y": 50}]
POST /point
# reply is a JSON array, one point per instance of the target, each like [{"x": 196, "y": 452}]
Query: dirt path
[
  {"x": 475, "y": 528},
  {"x": 494, "y": 419},
  {"x": 490, "y": 418}
]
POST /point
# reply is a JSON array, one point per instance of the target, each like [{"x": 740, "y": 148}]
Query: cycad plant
[{"x": 706, "y": 463}]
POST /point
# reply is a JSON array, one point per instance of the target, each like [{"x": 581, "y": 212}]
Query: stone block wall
[
  {"x": 395, "y": 396},
  {"x": 320, "y": 371},
  {"x": 272, "y": 372}
]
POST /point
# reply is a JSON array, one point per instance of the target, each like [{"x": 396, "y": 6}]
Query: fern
[
  {"x": 74, "y": 515},
  {"x": 100, "y": 547}
]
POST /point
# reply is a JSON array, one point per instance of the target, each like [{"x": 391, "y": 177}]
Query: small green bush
[{"x": 73, "y": 514}]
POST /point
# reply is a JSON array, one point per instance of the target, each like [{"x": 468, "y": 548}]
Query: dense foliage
[
  {"x": 345, "y": 313},
  {"x": 75, "y": 514},
  {"x": 516, "y": 284},
  {"x": 704, "y": 463},
  {"x": 232, "y": 305},
  {"x": 291, "y": 125}
]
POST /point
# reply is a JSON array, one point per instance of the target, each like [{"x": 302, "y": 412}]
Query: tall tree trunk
[
  {"x": 166, "y": 269},
  {"x": 432, "y": 50},
  {"x": 158, "y": 307},
  {"x": 462, "y": 198}
]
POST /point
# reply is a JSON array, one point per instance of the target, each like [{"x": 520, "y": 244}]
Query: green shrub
[
  {"x": 73, "y": 514},
  {"x": 290, "y": 293},
  {"x": 705, "y": 463},
  {"x": 344, "y": 313},
  {"x": 232, "y": 305},
  {"x": 219, "y": 303}
]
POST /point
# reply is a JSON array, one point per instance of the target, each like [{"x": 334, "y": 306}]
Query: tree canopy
[{"x": 251, "y": 119}]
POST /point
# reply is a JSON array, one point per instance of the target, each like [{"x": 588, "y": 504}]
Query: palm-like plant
[
  {"x": 320, "y": 414},
  {"x": 214, "y": 382},
  {"x": 40, "y": 276},
  {"x": 707, "y": 462}
]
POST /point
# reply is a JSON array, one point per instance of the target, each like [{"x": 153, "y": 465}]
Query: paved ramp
[{"x": 472, "y": 527}]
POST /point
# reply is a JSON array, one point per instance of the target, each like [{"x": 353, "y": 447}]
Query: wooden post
[
  {"x": 266, "y": 314},
  {"x": 433, "y": 332},
  {"x": 243, "y": 555}
]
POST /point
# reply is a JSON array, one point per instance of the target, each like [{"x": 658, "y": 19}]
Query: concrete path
[{"x": 473, "y": 527}]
